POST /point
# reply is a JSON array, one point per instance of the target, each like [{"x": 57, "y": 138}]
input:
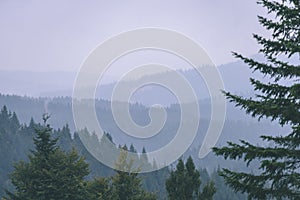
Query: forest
[
  {"x": 257, "y": 156},
  {"x": 17, "y": 143}
]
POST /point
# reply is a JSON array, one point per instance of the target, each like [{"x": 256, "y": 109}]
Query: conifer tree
[
  {"x": 184, "y": 183},
  {"x": 126, "y": 184},
  {"x": 175, "y": 183},
  {"x": 208, "y": 191},
  {"x": 278, "y": 176},
  {"x": 144, "y": 162},
  {"x": 99, "y": 189},
  {"x": 50, "y": 173}
]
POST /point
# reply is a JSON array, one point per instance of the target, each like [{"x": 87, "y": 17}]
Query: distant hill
[
  {"x": 235, "y": 76},
  {"x": 237, "y": 125},
  {"x": 60, "y": 83}
]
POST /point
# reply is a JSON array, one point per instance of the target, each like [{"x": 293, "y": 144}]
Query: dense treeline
[
  {"x": 52, "y": 173},
  {"x": 38, "y": 162},
  {"x": 60, "y": 110},
  {"x": 16, "y": 141}
]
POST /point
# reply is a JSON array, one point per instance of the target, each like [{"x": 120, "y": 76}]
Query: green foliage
[
  {"x": 192, "y": 179},
  {"x": 223, "y": 191},
  {"x": 126, "y": 184},
  {"x": 176, "y": 181},
  {"x": 15, "y": 146},
  {"x": 279, "y": 176},
  {"x": 9, "y": 143},
  {"x": 50, "y": 173},
  {"x": 208, "y": 191},
  {"x": 155, "y": 182},
  {"x": 98, "y": 189},
  {"x": 184, "y": 183},
  {"x": 16, "y": 142}
]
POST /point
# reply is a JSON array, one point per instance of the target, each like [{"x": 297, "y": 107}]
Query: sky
[{"x": 58, "y": 35}]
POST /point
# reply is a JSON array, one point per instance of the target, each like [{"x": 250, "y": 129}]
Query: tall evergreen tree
[
  {"x": 279, "y": 176},
  {"x": 50, "y": 173},
  {"x": 175, "y": 183},
  {"x": 126, "y": 184},
  {"x": 192, "y": 179},
  {"x": 144, "y": 162},
  {"x": 9, "y": 132},
  {"x": 184, "y": 183}
]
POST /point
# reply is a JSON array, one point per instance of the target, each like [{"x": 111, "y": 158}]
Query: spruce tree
[
  {"x": 126, "y": 184},
  {"x": 175, "y": 183},
  {"x": 144, "y": 162},
  {"x": 279, "y": 163},
  {"x": 184, "y": 183},
  {"x": 192, "y": 180},
  {"x": 50, "y": 173}
]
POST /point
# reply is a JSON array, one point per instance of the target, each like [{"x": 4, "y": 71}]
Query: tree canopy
[
  {"x": 50, "y": 172},
  {"x": 277, "y": 99},
  {"x": 184, "y": 183}
]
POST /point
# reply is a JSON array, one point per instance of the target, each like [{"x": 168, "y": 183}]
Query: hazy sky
[{"x": 59, "y": 34}]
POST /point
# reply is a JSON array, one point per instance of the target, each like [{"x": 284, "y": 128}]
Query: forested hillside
[{"x": 16, "y": 142}]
